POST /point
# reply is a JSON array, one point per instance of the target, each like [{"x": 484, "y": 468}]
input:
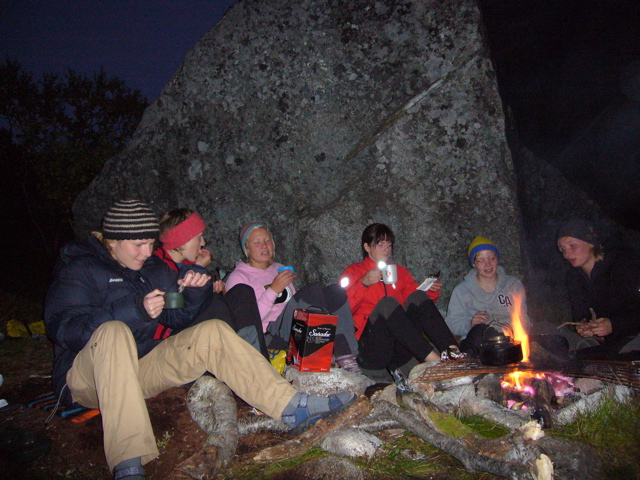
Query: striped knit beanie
[
  {"x": 130, "y": 220},
  {"x": 477, "y": 245}
]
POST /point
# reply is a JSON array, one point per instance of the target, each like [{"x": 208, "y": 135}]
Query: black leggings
[
  {"x": 395, "y": 333},
  {"x": 332, "y": 298},
  {"x": 239, "y": 309}
]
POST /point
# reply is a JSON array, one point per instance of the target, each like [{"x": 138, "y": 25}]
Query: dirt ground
[{"x": 76, "y": 448}]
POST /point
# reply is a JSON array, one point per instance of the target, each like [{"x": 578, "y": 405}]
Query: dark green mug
[{"x": 173, "y": 300}]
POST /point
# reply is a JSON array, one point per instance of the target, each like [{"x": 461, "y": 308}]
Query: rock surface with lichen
[{"x": 320, "y": 117}]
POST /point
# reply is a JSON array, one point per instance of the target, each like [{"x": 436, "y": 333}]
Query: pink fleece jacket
[{"x": 260, "y": 280}]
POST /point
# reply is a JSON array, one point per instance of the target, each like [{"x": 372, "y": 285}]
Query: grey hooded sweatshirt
[{"x": 468, "y": 298}]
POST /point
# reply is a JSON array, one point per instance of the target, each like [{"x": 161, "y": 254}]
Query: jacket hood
[
  {"x": 88, "y": 247},
  {"x": 248, "y": 269}
]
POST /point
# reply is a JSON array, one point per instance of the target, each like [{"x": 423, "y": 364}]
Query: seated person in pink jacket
[{"x": 277, "y": 297}]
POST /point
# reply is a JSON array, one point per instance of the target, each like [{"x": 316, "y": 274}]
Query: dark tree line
[{"x": 56, "y": 132}]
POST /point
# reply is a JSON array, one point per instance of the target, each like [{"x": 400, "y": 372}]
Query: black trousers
[
  {"x": 395, "y": 332},
  {"x": 239, "y": 309}
]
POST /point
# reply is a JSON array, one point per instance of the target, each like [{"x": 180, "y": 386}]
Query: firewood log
[
  {"x": 299, "y": 445},
  {"x": 471, "y": 461}
]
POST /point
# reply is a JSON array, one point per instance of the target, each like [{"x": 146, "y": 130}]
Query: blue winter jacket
[{"x": 90, "y": 288}]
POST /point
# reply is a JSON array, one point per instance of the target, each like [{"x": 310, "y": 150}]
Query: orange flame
[
  {"x": 518, "y": 330},
  {"x": 521, "y": 381}
]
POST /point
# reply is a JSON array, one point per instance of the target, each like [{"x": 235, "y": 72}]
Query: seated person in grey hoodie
[{"x": 484, "y": 301}]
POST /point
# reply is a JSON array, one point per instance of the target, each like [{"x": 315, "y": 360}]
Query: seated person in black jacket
[{"x": 104, "y": 312}]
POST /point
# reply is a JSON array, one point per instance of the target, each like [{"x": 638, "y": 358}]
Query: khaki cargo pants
[{"x": 108, "y": 375}]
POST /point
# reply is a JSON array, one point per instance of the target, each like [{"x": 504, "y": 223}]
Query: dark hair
[
  {"x": 173, "y": 218},
  {"x": 374, "y": 234}
]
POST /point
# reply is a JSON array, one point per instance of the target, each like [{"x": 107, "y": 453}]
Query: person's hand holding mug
[
  {"x": 282, "y": 280},
  {"x": 153, "y": 303},
  {"x": 373, "y": 276}
]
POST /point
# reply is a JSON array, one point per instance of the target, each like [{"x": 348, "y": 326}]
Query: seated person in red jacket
[
  {"x": 182, "y": 248},
  {"x": 394, "y": 321}
]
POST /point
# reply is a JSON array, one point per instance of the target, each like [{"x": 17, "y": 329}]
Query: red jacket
[
  {"x": 363, "y": 299},
  {"x": 162, "y": 253}
]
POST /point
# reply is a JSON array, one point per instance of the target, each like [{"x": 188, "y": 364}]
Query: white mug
[{"x": 390, "y": 274}]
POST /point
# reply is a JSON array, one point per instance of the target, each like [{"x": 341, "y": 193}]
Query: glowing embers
[{"x": 539, "y": 392}]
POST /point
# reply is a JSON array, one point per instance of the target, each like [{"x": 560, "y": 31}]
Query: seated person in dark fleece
[{"x": 604, "y": 290}]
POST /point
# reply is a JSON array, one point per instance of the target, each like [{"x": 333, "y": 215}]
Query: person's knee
[
  {"x": 385, "y": 307},
  {"x": 213, "y": 330},
  {"x": 335, "y": 297},
  {"x": 112, "y": 330},
  {"x": 241, "y": 290},
  {"x": 310, "y": 294},
  {"x": 417, "y": 298}
]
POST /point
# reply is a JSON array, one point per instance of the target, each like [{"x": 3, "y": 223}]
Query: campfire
[
  {"x": 536, "y": 385},
  {"x": 538, "y": 392}
]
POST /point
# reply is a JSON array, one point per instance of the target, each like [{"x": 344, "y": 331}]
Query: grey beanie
[{"x": 582, "y": 230}]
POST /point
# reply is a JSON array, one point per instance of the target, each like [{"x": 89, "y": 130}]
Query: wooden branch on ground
[
  {"x": 471, "y": 461},
  {"x": 213, "y": 407},
  {"x": 299, "y": 445}
]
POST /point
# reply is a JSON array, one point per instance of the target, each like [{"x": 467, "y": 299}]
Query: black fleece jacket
[{"x": 612, "y": 291}]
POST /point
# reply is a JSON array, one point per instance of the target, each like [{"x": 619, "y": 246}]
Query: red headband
[{"x": 183, "y": 232}]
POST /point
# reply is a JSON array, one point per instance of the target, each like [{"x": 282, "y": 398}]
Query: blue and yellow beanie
[{"x": 477, "y": 245}]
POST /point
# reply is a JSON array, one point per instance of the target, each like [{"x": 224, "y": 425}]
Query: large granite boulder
[
  {"x": 319, "y": 117},
  {"x": 548, "y": 201}
]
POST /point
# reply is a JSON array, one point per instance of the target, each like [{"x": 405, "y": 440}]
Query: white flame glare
[
  {"x": 344, "y": 282},
  {"x": 382, "y": 264},
  {"x": 518, "y": 330}
]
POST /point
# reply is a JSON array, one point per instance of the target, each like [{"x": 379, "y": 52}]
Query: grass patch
[
  {"x": 485, "y": 427},
  {"x": 264, "y": 470},
  {"x": 613, "y": 430}
]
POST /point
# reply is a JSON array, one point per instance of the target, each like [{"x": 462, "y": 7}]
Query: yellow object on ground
[
  {"x": 278, "y": 359},
  {"x": 17, "y": 328}
]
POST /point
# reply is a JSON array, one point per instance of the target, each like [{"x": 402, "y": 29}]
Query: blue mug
[{"x": 281, "y": 269}]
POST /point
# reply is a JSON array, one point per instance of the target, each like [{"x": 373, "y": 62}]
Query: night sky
[
  {"x": 569, "y": 70},
  {"x": 141, "y": 42}
]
